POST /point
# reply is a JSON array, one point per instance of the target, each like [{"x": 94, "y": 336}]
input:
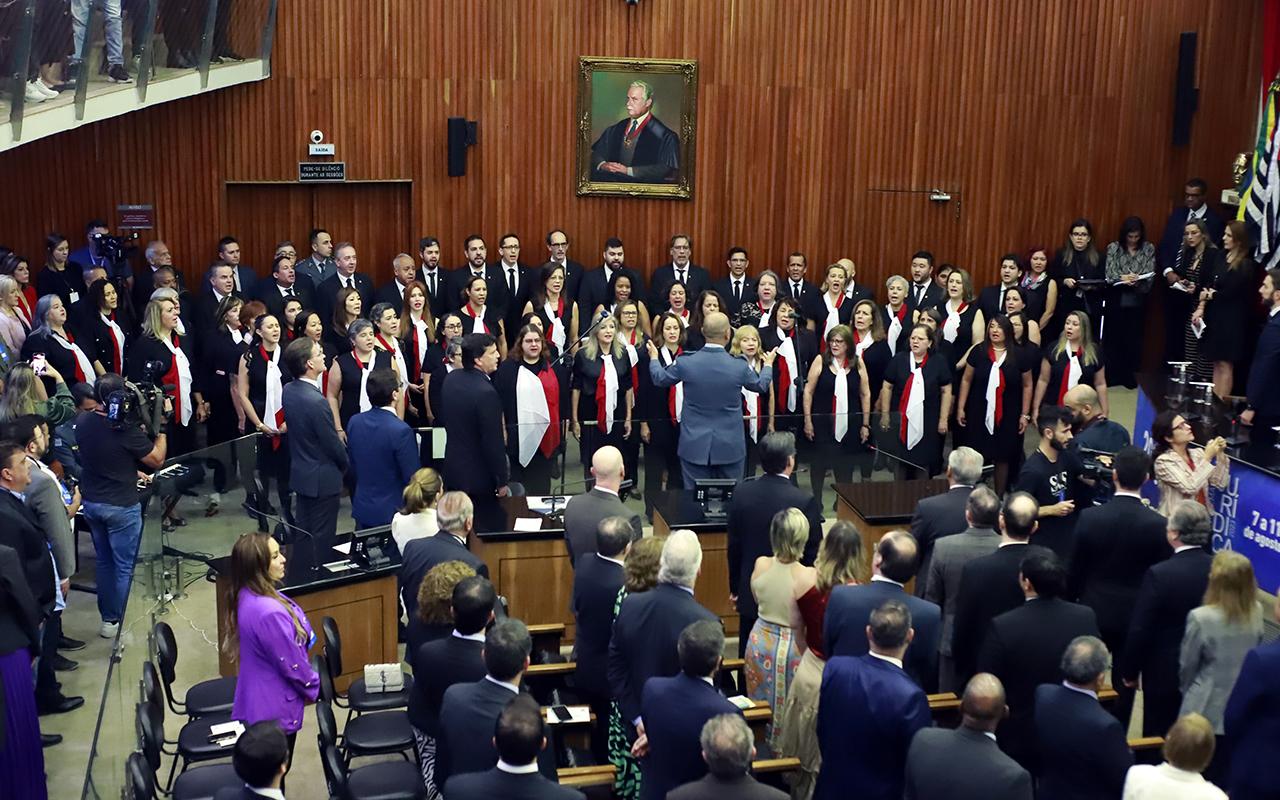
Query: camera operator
[
  {"x": 1052, "y": 476},
  {"x": 1093, "y": 431},
  {"x": 110, "y": 451}
]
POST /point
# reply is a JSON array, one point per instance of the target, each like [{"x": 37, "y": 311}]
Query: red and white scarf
[
  {"x": 751, "y": 408},
  {"x": 117, "y": 342},
  {"x": 1070, "y": 375},
  {"x": 911, "y": 406},
  {"x": 273, "y": 408},
  {"x": 788, "y": 365},
  {"x": 606, "y": 394},
  {"x": 766, "y": 314},
  {"x": 421, "y": 343},
  {"x": 833, "y": 315},
  {"x": 896, "y": 321},
  {"x": 83, "y": 366},
  {"x": 179, "y": 375},
  {"x": 675, "y": 395},
  {"x": 365, "y": 371},
  {"x": 995, "y": 389},
  {"x": 840, "y": 399},
  {"x": 556, "y": 332},
  {"x": 861, "y": 342},
  {"x": 682, "y": 315},
  {"x": 951, "y": 325},
  {"x": 478, "y": 324},
  {"x": 397, "y": 355},
  {"x": 533, "y": 411}
]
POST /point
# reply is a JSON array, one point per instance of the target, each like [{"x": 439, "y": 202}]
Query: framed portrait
[{"x": 637, "y": 125}]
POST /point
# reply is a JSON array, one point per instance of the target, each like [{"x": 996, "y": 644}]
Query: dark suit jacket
[
  {"x": 438, "y": 301},
  {"x": 697, "y": 280},
  {"x": 1252, "y": 724},
  {"x": 725, "y": 287},
  {"x": 807, "y": 292},
  {"x": 1171, "y": 239},
  {"x": 1083, "y": 751},
  {"x": 962, "y": 764},
  {"x": 389, "y": 293},
  {"x": 595, "y": 288},
  {"x": 988, "y": 588},
  {"x": 384, "y": 456},
  {"x": 246, "y": 281},
  {"x": 644, "y": 640},
  {"x": 596, "y": 582},
  {"x": 510, "y": 305},
  {"x": 656, "y": 158},
  {"x": 236, "y": 793},
  {"x": 989, "y": 301},
  {"x": 20, "y": 612},
  {"x": 20, "y": 530},
  {"x": 269, "y": 293},
  {"x": 674, "y": 711},
  {"x": 496, "y": 783},
  {"x": 316, "y": 453},
  {"x": 144, "y": 283},
  {"x": 206, "y": 312},
  {"x": 844, "y": 629},
  {"x": 468, "y": 715},
  {"x": 933, "y": 295},
  {"x": 420, "y": 555},
  {"x": 1023, "y": 648},
  {"x": 1115, "y": 545},
  {"x": 1263, "y": 389},
  {"x": 583, "y": 515},
  {"x": 437, "y": 665},
  {"x": 327, "y": 295},
  {"x": 751, "y": 511},
  {"x": 475, "y": 457},
  {"x": 1169, "y": 591},
  {"x": 743, "y": 787},
  {"x": 316, "y": 272},
  {"x": 868, "y": 712},
  {"x": 935, "y": 517},
  {"x": 457, "y": 281}
]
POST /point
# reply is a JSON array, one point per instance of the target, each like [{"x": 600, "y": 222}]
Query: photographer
[
  {"x": 109, "y": 453},
  {"x": 1093, "y": 431},
  {"x": 24, "y": 393}
]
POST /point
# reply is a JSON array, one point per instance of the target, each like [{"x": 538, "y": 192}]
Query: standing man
[
  {"x": 433, "y": 275},
  {"x": 456, "y": 517},
  {"x": 584, "y": 513},
  {"x": 475, "y": 252},
  {"x": 383, "y": 453},
  {"x": 558, "y": 253},
  {"x": 1263, "y": 389},
  {"x": 595, "y": 284},
  {"x": 284, "y": 284},
  {"x": 737, "y": 288},
  {"x": 319, "y": 266},
  {"x": 475, "y": 457},
  {"x": 797, "y": 286},
  {"x": 944, "y": 514},
  {"x": 680, "y": 268},
  {"x": 711, "y": 440},
  {"x": 157, "y": 255},
  {"x": 991, "y": 298},
  {"x": 346, "y": 277},
  {"x": 1051, "y": 475},
  {"x": 924, "y": 292},
  {"x": 220, "y": 286},
  {"x": 316, "y": 453},
  {"x": 852, "y": 290},
  {"x": 1195, "y": 206},
  {"x": 229, "y": 253},
  {"x": 514, "y": 285},
  {"x": 597, "y": 577},
  {"x": 1091, "y": 429},
  {"x": 403, "y": 272}
]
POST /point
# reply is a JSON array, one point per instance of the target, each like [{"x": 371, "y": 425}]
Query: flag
[{"x": 1261, "y": 199}]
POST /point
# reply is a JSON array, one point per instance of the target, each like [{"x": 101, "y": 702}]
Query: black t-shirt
[
  {"x": 1053, "y": 482},
  {"x": 108, "y": 460}
]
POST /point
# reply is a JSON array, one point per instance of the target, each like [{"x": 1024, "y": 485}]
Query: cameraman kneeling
[{"x": 109, "y": 454}]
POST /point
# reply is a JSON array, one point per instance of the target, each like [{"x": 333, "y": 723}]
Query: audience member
[
  {"x": 1188, "y": 749},
  {"x": 1251, "y": 726},
  {"x": 676, "y": 708},
  {"x": 965, "y": 763},
  {"x": 1263, "y": 388},
  {"x": 383, "y": 453},
  {"x": 894, "y": 563},
  {"x": 345, "y": 276},
  {"x": 944, "y": 514},
  {"x": 869, "y": 710},
  {"x": 416, "y": 518},
  {"x": 456, "y": 518},
  {"x": 1091, "y": 428},
  {"x": 22, "y": 756},
  {"x": 260, "y": 759},
  {"x": 61, "y": 276},
  {"x": 1183, "y": 472},
  {"x": 24, "y": 393},
  {"x": 472, "y": 414},
  {"x": 519, "y": 738},
  {"x": 284, "y": 286},
  {"x": 728, "y": 750},
  {"x": 347, "y": 386},
  {"x": 434, "y": 617},
  {"x": 1082, "y": 749},
  {"x": 584, "y": 513},
  {"x": 319, "y": 266},
  {"x": 1170, "y": 590},
  {"x": 316, "y": 455}
]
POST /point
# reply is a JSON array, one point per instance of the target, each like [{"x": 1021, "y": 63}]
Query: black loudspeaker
[
  {"x": 462, "y": 134},
  {"x": 1186, "y": 97}
]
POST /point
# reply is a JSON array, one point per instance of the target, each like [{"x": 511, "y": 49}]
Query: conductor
[{"x": 711, "y": 440}]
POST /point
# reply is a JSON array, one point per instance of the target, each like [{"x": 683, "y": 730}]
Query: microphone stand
[{"x": 313, "y": 566}]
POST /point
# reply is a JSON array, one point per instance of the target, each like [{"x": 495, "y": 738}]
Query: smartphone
[
  {"x": 562, "y": 713},
  {"x": 38, "y": 364}
]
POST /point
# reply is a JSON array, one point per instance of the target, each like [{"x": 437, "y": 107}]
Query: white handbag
[{"x": 379, "y": 678}]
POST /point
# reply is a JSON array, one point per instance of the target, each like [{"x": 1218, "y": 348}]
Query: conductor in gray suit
[
  {"x": 584, "y": 513},
  {"x": 712, "y": 444}
]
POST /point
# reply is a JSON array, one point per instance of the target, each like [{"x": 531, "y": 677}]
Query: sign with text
[
  {"x": 135, "y": 217},
  {"x": 1246, "y": 519},
  {"x": 322, "y": 172}
]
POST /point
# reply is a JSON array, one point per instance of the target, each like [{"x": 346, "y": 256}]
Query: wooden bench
[
  {"x": 547, "y": 637},
  {"x": 603, "y": 774}
]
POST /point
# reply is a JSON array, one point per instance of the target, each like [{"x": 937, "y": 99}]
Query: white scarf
[
  {"x": 666, "y": 359},
  {"x": 556, "y": 334},
  {"x": 365, "y": 371},
  {"x": 1073, "y": 369},
  {"x": 840, "y": 402},
  {"x": 183, "y": 365},
  {"x": 238, "y": 336},
  {"x": 274, "y": 407},
  {"x": 833, "y": 313},
  {"x": 993, "y": 387},
  {"x": 610, "y": 392},
  {"x": 82, "y": 361},
  {"x": 861, "y": 344},
  {"x": 766, "y": 314},
  {"x": 915, "y": 404},
  {"x": 532, "y": 414},
  {"x": 951, "y": 325},
  {"x": 787, "y": 352},
  {"x": 424, "y": 342},
  {"x": 117, "y": 336},
  {"x": 751, "y": 404},
  {"x": 895, "y": 331},
  {"x": 477, "y": 320}
]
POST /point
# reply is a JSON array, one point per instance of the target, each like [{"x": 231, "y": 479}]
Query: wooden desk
[
  {"x": 673, "y": 510},
  {"x": 875, "y": 508}
]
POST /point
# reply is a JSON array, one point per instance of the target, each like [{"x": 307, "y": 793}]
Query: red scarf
[
  {"x": 675, "y": 409},
  {"x": 1065, "y": 384},
  {"x": 80, "y": 376},
  {"x": 635, "y": 372},
  {"x": 172, "y": 378},
  {"x": 551, "y": 386},
  {"x": 906, "y": 391},
  {"x": 469, "y": 311},
  {"x": 117, "y": 348}
]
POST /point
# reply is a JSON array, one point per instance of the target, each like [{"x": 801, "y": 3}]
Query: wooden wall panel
[{"x": 813, "y": 116}]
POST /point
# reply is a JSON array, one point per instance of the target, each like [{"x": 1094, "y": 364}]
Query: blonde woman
[
  {"x": 1075, "y": 359},
  {"x": 757, "y": 409},
  {"x": 24, "y": 393},
  {"x": 602, "y": 392},
  {"x": 835, "y": 306},
  {"x": 417, "y": 518},
  {"x": 14, "y": 323}
]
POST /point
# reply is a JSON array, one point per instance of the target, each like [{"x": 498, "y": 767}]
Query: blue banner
[{"x": 1246, "y": 519}]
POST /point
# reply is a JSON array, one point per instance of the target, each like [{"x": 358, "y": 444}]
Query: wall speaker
[
  {"x": 1186, "y": 97},
  {"x": 462, "y": 134}
]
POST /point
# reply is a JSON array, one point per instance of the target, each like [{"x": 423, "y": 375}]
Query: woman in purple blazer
[{"x": 269, "y": 636}]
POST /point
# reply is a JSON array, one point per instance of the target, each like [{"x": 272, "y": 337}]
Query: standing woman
[
  {"x": 109, "y": 340},
  {"x": 1186, "y": 279},
  {"x": 1131, "y": 267},
  {"x": 418, "y": 327},
  {"x": 559, "y": 314},
  {"x": 834, "y": 310},
  {"x": 620, "y": 290},
  {"x": 348, "y": 390},
  {"x": 1015, "y": 302},
  {"x": 20, "y": 270},
  {"x": 1225, "y": 304},
  {"x": 347, "y": 308},
  {"x": 260, "y": 379},
  {"x": 994, "y": 406},
  {"x": 916, "y": 398},
  {"x": 1042, "y": 290},
  {"x": 709, "y": 302},
  {"x": 386, "y": 339},
  {"x": 223, "y": 349},
  {"x": 477, "y": 317},
  {"x": 1028, "y": 351},
  {"x": 21, "y": 754},
  {"x": 444, "y": 357},
  {"x": 660, "y": 412},
  {"x": 677, "y": 304},
  {"x": 896, "y": 317},
  {"x": 635, "y": 341},
  {"x": 292, "y": 308},
  {"x": 839, "y": 390},
  {"x": 766, "y": 299},
  {"x": 1183, "y": 472},
  {"x": 15, "y": 324},
  {"x": 268, "y": 635},
  {"x": 1079, "y": 260},
  {"x": 962, "y": 322},
  {"x": 1072, "y": 360},
  {"x": 757, "y": 409},
  {"x": 797, "y": 348},
  {"x": 60, "y": 276},
  {"x": 54, "y": 338},
  {"x": 530, "y": 388},
  {"x": 602, "y": 392},
  {"x": 308, "y": 324},
  {"x": 869, "y": 344}
]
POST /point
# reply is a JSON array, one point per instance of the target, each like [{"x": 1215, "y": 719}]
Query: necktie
[
  {"x": 1000, "y": 308},
  {"x": 631, "y": 132},
  {"x": 511, "y": 280},
  {"x": 346, "y": 283},
  {"x": 795, "y": 289},
  {"x": 682, "y": 278},
  {"x": 737, "y": 289},
  {"x": 288, "y": 292},
  {"x": 431, "y": 281}
]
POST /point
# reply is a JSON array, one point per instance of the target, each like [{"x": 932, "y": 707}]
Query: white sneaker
[
  {"x": 109, "y": 630},
  {"x": 34, "y": 95},
  {"x": 44, "y": 88}
]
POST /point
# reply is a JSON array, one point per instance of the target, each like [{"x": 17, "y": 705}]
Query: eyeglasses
[{"x": 1183, "y": 424}]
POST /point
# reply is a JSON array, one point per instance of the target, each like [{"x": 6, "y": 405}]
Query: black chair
[
  {"x": 192, "y": 745},
  {"x": 385, "y": 780},
  {"x": 200, "y": 783},
  {"x": 372, "y": 734},
  {"x": 358, "y": 698},
  {"x": 207, "y": 697}
]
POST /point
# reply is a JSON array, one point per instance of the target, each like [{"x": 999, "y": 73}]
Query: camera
[
  {"x": 1096, "y": 465},
  {"x": 140, "y": 404},
  {"x": 317, "y": 136},
  {"x": 114, "y": 248}
]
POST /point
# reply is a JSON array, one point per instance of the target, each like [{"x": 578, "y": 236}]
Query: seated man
[
  {"x": 260, "y": 759},
  {"x": 519, "y": 737},
  {"x": 728, "y": 748}
]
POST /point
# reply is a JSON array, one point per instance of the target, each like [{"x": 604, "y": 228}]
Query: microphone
[{"x": 604, "y": 314}]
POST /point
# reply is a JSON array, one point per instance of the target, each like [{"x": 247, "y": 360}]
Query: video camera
[
  {"x": 141, "y": 403},
  {"x": 114, "y": 248},
  {"x": 1096, "y": 465}
]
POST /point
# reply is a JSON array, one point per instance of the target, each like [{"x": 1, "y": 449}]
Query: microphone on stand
[{"x": 564, "y": 356}]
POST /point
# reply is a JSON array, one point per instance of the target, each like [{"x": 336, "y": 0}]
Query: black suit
[
  {"x": 496, "y": 783},
  {"x": 269, "y": 294},
  {"x": 206, "y": 313},
  {"x": 1169, "y": 591},
  {"x": 438, "y": 299},
  {"x": 991, "y": 300},
  {"x": 596, "y": 582},
  {"x": 743, "y": 787},
  {"x": 508, "y": 305},
  {"x": 144, "y": 283},
  {"x": 1263, "y": 388},
  {"x": 1023, "y": 648},
  {"x": 988, "y": 588},
  {"x": 844, "y": 628},
  {"x": 318, "y": 459},
  {"x": 20, "y": 530},
  {"x": 456, "y": 282},
  {"x": 697, "y": 280},
  {"x": 594, "y": 290},
  {"x": 475, "y": 455},
  {"x": 725, "y": 288},
  {"x": 573, "y": 274},
  {"x": 935, "y": 517},
  {"x": 327, "y": 295},
  {"x": 420, "y": 555},
  {"x": 20, "y": 611},
  {"x": 807, "y": 290},
  {"x": 1083, "y": 751},
  {"x": 1171, "y": 239},
  {"x": 933, "y": 295},
  {"x": 751, "y": 511},
  {"x": 674, "y": 711},
  {"x": 644, "y": 640},
  {"x": 468, "y": 716},
  {"x": 389, "y": 293},
  {"x": 437, "y": 665},
  {"x": 962, "y": 764}
]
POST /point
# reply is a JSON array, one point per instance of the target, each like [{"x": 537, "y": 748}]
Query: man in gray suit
[
  {"x": 318, "y": 456},
  {"x": 982, "y": 513},
  {"x": 965, "y": 763},
  {"x": 711, "y": 440},
  {"x": 943, "y": 514},
  {"x": 583, "y": 514}
]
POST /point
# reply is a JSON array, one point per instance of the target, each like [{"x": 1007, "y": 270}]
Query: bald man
[
  {"x": 965, "y": 763},
  {"x": 1092, "y": 428},
  {"x": 712, "y": 443},
  {"x": 585, "y": 512}
]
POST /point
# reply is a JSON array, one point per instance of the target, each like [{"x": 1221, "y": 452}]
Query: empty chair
[
  {"x": 385, "y": 780},
  {"x": 368, "y": 734},
  {"x": 358, "y": 698},
  {"x": 199, "y": 783},
  {"x": 193, "y": 745},
  {"x": 207, "y": 697}
]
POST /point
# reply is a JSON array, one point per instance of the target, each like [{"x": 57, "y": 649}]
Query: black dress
[
  {"x": 937, "y": 373},
  {"x": 962, "y": 338},
  {"x": 488, "y": 322},
  {"x": 656, "y": 404},
  {"x": 899, "y": 343},
  {"x": 564, "y": 314},
  {"x": 829, "y": 455},
  {"x": 59, "y": 357},
  {"x": 1058, "y": 366},
  {"x": 1229, "y": 314},
  {"x": 1037, "y": 299},
  {"x": 876, "y": 359},
  {"x": 104, "y": 343},
  {"x": 63, "y": 283},
  {"x": 1075, "y": 265},
  {"x": 147, "y": 351},
  {"x": 586, "y": 377},
  {"x": 805, "y": 343},
  {"x": 272, "y": 452},
  {"x": 349, "y": 401},
  {"x": 222, "y": 354},
  {"x": 542, "y": 468},
  {"x": 1004, "y": 445},
  {"x": 415, "y": 403}
]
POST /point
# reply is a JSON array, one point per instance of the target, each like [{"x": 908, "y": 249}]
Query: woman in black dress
[
  {"x": 386, "y": 339},
  {"x": 602, "y": 392},
  {"x": 1028, "y": 352},
  {"x": 620, "y": 290},
  {"x": 832, "y": 307},
  {"x": 1196, "y": 263},
  {"x": 60, "y": 276},
  {"x": 289, "y": 315},
  {"x": 709, "y": 302},
  {"x": 1077, "y": 261},
  {"x": 110, "y": 342},
  {"x": 660, "y": 412},
  {"x": 444, "y": 357},
  {"x": 530, "y": 389},
  {"x": 223, "y": 347},
  {"x": 677, "y": 303},
  {"x": 896, "y": 317},
  {"x": 53, "y": 337},
  {"x": 1072, "y": 360},
  {"x": 634, "y": 341},
  {"x": 308, "y": 324},
  {"x": 757, "y": 408},
  {"x": 1131, "y": 270},
  {"x": 837, "y": 410},
  {"x": 995, "y": 400},
  {"x": 917, "y": 399},
  {"x": 962, "y": 322},
  {"x": 347, "y": 308},
  {"x": 1226, "y": 303},
  {"x": 478, "y": 317},
  {"x": 417, "y": 326},
  {"x": 797, "y": 348},
  {"x": 1041, "y": 290},
  {"x": 1015, "y": 302},
  {"x": 348, "y": 391},
  {"x": 558, "y": 312},
  {"x": 260, "y": 379}
]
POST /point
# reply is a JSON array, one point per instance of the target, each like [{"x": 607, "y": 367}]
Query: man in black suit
[
  {"x": 318, "y": 266},
  {"x": 221, "y": 285},
  {"x": 512, "y": 284},
  {"x": 1263, "y": 388},
  {"x": 676, "y": 708},
  {"x": 519, "y": 738},
  {"x": 989, "y": 585},
  {"x": 844, "y": 628},
  {"x": 649, "y": 624},
  {"x": 924, "y": 292},
  {"x": 584, "y": 513},
  {"x": 403, "y": 270},
  {"x": 1082, "y": 749},
  {"x": 455, "y": 516},
  {"x": 20, "y": 529},
  {"x": 434, "y": 276},
  {"x": 797, "y": 285},
  {"x": 558, "y": 253},
  {"x": 728, "y": 747},
  {"x": 1195, "y": 206},
  {"x": 965, "y": 763},
  {"x": 245, "y": 281},
  {"x": 1116, "y": 544},
  {"x": 737, "y": 287},
  {"x": 283, "y": 285},
  {"x": 1169, "y": 591},
  {"x": 157, "y": 255},
  {"x": 991, "y": 298},
  {"x": 595, "y": 283},
  {"x": 680, "y": 268},
  {"x": 441, "y": 663},
  {"x": 346, "y": 277},
  {"x": 943, "y": 514},
  {"x": 260, "y": 759},
  {"x": 751, "y": 511},
  {"x": 476, "y": 253},
  {"x": 597, "y": 577},
  {"x": 317, "y": 455},
  {"x": 469, "y": 712},
  {"x": 475, "y": 456},
  {"x": 1023, "y": 648}
]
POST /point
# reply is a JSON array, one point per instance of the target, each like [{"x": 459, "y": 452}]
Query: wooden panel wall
[{"x": 814, "y": 116}]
